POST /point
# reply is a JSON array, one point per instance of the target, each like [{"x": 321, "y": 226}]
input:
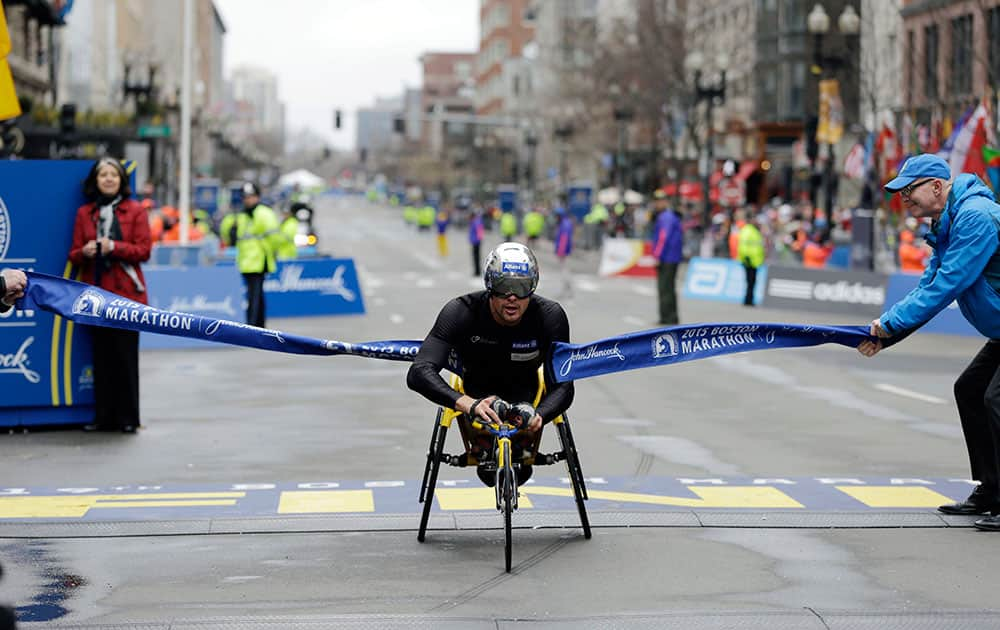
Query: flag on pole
[
  {"x": 991, "y": 157},
  {"x": 967, "y": 149},
  {"x": 9, "y": 106},
  {"x": 854, "y": 163}
]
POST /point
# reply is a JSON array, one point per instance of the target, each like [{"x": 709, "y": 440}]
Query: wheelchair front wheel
[{"x": 509, "y": 481}]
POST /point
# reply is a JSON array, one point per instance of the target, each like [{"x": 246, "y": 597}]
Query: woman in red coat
[{"x": 110, "y": 240}]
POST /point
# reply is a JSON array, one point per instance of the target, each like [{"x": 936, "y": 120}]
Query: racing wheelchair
[{"x": 501, "y": 461}]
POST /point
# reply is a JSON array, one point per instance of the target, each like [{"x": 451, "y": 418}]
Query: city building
[{"x": 950, "y": 58}]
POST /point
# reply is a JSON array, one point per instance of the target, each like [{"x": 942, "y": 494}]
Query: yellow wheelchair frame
[{"x": 502, "y": 463}]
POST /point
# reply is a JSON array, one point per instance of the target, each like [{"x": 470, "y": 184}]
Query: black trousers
[
  {"x": 256, "y": 309},
  {"x": 751, "y": 273},
  {"x": 116, "y": 377},
  {"x": 666, "y": 282},
  {"x": 476, "y": 259},
  {"x": 977, "y": 393}
]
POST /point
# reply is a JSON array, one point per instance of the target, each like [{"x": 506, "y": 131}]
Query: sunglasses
[
  {"x": 908, "y": 190},
  {"x": 504, "y": 287}
]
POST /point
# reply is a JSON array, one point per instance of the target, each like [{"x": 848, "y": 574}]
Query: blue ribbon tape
[{"x": 87, "y": 304}]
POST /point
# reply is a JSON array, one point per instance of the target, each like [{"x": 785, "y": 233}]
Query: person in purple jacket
[
  {"x": 476, "y": 231},
  {"x": 564, "y": 247},
  {"x": 668, "y": 243}
]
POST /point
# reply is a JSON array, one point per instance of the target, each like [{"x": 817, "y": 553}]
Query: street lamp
[
  {"x": 530, "y": 141},
  {"x": 623, "y": 114},
  {"x": 818, "y": 23},
  {"x": 563, "y": 130},
  {"x": 711, "y": 93}
]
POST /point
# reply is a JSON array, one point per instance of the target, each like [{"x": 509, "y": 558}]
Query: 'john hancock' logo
[
  {"x": 89, "y": 303},
  {"x": 4, "y": 229},
  {"x": 590, "y": 353}
]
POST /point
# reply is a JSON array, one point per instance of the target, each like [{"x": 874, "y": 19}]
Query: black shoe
[
  {"x": 988, "y": 524},
  {"x": 981, "y": 501}
]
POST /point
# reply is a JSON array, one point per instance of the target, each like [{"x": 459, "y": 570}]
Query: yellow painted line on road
[
  {"x": 475, "y": 498},
  {"x": 133, "y": 504},
  {"x": 709, "y": 497},
  {"x": 75, "y": 506},
  {"x": 896, "y": 496},
  {"x": 326, "y": 501}
]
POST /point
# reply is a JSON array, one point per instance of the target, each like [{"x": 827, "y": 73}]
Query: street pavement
[{"x": 774, "y": 489}]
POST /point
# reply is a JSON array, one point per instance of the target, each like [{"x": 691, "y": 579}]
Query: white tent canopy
[
  {"x": 303, "y": 178},
  {"x": 610, "y": 196}
]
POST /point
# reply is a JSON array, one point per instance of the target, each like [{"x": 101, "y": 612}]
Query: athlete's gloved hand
[{"x": 521, "y": 414}]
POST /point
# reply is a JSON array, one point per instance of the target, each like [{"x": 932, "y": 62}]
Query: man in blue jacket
[
  {"x": 668, "y": 245},
  {"x": 964, "y": 266}
]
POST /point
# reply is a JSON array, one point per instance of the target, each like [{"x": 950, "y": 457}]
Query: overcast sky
[{"x": 331, "y": 54}]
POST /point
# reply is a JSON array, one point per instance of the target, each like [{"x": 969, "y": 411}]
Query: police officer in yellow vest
[
  {"x": 286, "y": 249},
  {"x": 255, "y": 233},
  {"x": 750, "y": 249},
  {"x": 534, "y": 223}
]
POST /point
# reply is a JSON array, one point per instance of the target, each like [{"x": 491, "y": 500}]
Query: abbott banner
[
  {"x": 858, "y": 293},
  {"x": 721, "y": 279}
]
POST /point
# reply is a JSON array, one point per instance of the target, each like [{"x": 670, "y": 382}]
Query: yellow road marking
[
  {"x": 896, "y": 496},
  {"x": 75, "y": 506},
  {"x": 326, "y": 501},
  {"x": 474, "y": 499},
  {"x": 710, "y": 496},
  {"x": 132, "y": 504}
]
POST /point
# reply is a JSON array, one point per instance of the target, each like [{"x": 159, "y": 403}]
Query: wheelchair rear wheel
[{"x": 575, "y": 473}]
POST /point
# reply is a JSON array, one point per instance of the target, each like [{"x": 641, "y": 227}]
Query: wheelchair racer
[{"x": 500, "y": 337}]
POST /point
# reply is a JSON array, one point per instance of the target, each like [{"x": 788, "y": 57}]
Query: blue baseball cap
[{"x": 919, "y": 167}]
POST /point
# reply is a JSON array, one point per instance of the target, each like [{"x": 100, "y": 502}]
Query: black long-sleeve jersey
[{"x": 495, "y": 359}]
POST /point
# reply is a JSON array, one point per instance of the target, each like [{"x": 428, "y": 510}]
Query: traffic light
[
  {"x": 327, "y": 153},
  {"x": 399, "y": 125},
  {"x": 364, "y": 155},
  {"x": 336, "y": 119},
  {"x": 67, "y": 118}
]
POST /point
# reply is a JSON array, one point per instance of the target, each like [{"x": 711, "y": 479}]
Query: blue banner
[
  {"x": 46, "y": 371},
  {"x": 320, "y": 286},
  {"x": 210, "y": 291},
  {"x": 721, "y": 279},
  {"x": 87, "y": 304},
  {"x": 676, "y": 344}
]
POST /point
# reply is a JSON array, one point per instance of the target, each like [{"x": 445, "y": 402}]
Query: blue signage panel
[
  {"x": 46, "y": 371},
  {"x": 948, "y": 322},
  {"x": 578, "y": 200},
  {"x": 507, "y": 198},
  {"x": 206, "y": 195},
  {"x": 207, "y": 291},
  {"x": 319, "y": 286},
  {"x": 721, "y": 279}
]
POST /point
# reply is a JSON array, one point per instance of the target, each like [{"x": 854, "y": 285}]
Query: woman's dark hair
[{"x": 90, "y": 190}]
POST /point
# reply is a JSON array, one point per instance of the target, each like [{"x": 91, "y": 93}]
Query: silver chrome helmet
[{"x": 511, "y": 268}]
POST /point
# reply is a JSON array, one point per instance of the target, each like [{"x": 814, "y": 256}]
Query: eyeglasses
[
  {"x": 908, "y": 190},
  {"x": 504, "y": 296}
]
